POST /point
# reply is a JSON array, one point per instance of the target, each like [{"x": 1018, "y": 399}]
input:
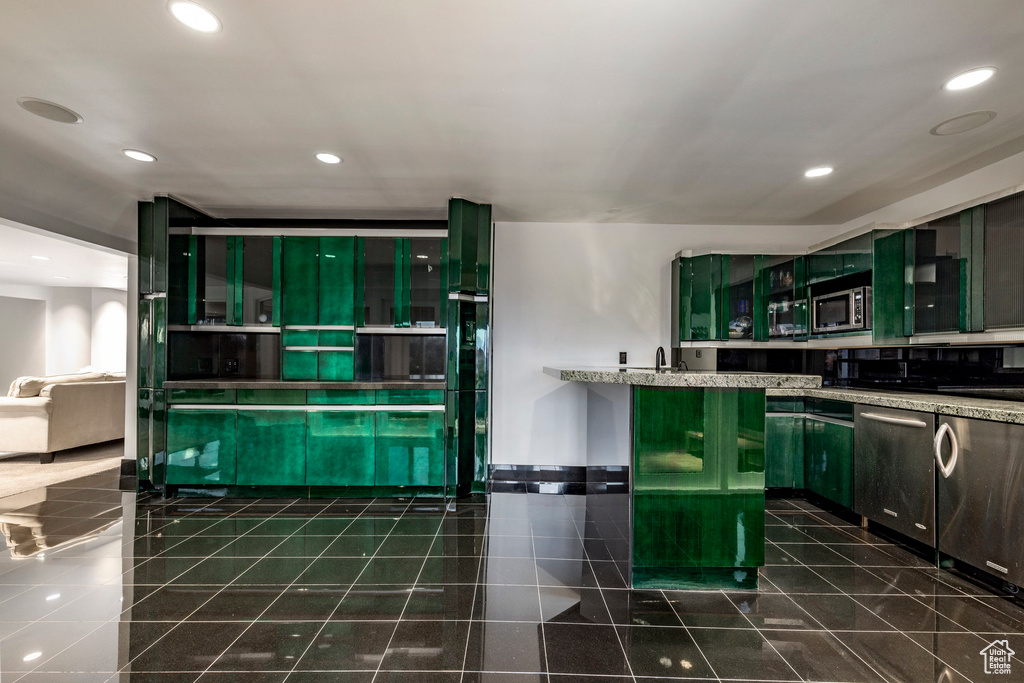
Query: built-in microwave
[{"x": 844, "y": 311}]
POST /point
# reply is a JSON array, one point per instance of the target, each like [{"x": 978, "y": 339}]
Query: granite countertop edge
[
  {"x": 696, "y": 379},
  {"x": 308, "y": 385},
  {"x": 954, "y": 406}
]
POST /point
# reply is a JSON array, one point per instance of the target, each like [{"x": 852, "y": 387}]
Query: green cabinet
[
  {"x": 469, "y": 232},
  {"x": 340, "y": 448},
  {"x": 201, "y": 447},
  {"x": 272, "y": 444},
  {"x": 784, "y": 450},
  {"x": 828, "y": 458},
  {"x": 892, "y": 285},
  {"x": 336, "y": 284},
  {"x": 401, "y": 281},
  {"x": 410, "y": 448},
  {"x": 300, "y": 279}
]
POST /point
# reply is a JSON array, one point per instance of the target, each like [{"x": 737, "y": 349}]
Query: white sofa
[{"x": 48, "y": 414}]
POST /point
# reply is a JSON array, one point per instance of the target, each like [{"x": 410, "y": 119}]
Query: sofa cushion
[{"x": 28, "y": 387}]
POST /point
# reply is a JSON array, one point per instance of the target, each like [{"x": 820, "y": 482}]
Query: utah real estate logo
[{"x": 997, "y": 657}]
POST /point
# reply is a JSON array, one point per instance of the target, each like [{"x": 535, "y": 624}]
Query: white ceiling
[
  {"x": 82, "y": 265},
  {"x": 655, "y": 111}
]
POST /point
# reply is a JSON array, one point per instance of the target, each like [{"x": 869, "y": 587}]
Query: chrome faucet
[{"x": 659, "y": 359}]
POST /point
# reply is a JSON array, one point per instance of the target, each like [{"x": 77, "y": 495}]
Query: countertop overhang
[{"x": 684, "y": 378}]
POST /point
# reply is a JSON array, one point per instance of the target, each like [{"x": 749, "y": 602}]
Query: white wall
[
  {"x": 23, "y": 353},
  {"x": 577, "y": 294},
  {"x": 109, "y": 341},
  {"x": 69, "y": 330}
]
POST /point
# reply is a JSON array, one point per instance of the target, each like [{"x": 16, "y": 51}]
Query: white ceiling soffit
[
  {"x": 657, "y": 111},
  {"x": 29, "y": 256}
]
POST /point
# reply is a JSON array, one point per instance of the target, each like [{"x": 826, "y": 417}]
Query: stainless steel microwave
[{"x": 845, "y": 311}]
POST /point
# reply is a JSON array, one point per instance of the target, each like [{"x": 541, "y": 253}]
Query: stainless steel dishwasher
[
  {"x": 894, "y": 470},
  {"x": 981, "y": 494}
]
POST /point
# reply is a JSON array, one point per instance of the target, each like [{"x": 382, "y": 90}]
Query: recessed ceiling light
[
  {"x": 969, "y": 79},
  {"x": 49, "y": 110},
  {"x": 137, "y": 155},
  {"x": 422, "y": 256},
  {"x": 329, "y": 158},
  {"x": 818, "y": 172},
  {"x": 963, "y": 123},
  {"x": 52, "y": 597},
  {"x": 31, "y": 655},
  {"x": 41, "y": 258},
  {"x": 60, "y": 277},
  {"x": 194, "y": 16}
]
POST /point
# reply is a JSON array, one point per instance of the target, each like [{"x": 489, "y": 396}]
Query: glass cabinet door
[
  {"x": 1004, "y": 253},
  {"x": 937, "y": 275},
  {"x": 781, "y": 298},
  {"x": 212, "y": 284},
  {"x": 741, "y": 297},
  {"x": 426, "y": 288},
  {"x": 258, "y": 281},
  {"x": 379, "y": 267}
]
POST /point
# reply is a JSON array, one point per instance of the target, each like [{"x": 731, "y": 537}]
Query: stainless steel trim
[
  {"x": 266, "y": 329},
  {"x": 402, "y": 330},
  {"x": 459, "y": 296},
  {"x": 319, "y": 348},
  {"x": 391, "y": 408},
  {"x": 890, "y": 419},
  {"x": 155, "y": 295},
  {"x": 998, "y": 568},
  {"x": 850, "y": 294},
  {"x": 889, "y": 512},
  {"x": 829, "y": 420},
  {"x": 320, "y": 232},
  {"x": 954, "y": 449},
  {"x": 319, "y": 327}
]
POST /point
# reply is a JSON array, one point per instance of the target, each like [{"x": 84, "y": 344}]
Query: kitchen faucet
[{"x": 659, "y": 359}]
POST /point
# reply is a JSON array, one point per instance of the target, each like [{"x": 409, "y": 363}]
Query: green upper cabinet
[
  {"x": 201, "y": 447},
  {"x": 400, "y": 281},
  {"x": 258, "y": 281},
  {"x": 336, "y": 286},
  {"x": 709, "y": 297},
  {"x": 892, "y": 285},
  {"x": 681, "y": 276},
  {"x": 300, "y": 300},
  {"x": 1002, "y": 243},
  {"x": 469, "y": 246},
  {"x": 746, "y": 317},
  {"x": 824, "y": 264},
  {"x": 854, "y": 255},
  {"x": 939, "y": 265},
  {"x": 410, "y": 448}
]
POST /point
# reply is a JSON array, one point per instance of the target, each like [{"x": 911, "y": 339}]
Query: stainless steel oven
[{"x": 844, "y": 311}]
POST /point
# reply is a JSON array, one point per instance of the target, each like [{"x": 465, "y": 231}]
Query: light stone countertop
[
  {"x": 676, "y": 378},
  {"x": 942, "y": 404}
]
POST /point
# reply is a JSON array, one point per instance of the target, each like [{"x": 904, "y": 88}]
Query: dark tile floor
[{"x": 97, "y": 585}]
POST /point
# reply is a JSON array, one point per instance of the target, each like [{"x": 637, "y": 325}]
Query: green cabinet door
[
  {"x": 410, "y": 448},
  {"x": 828, "y": 460},
  {"x": 824, "y": 265},
  {"x": 201, "y": 447},
  {"x": 336, "y": 366},
  {"x": 708, "y": 297},
  {"x": 337, "y": 282},
  {"x": 271, "y": 447},
  {"x": 299, "y": 365},
  {"x": 892, "y": 285},
  {"x": 300, "y": 281},
  {"x": 340, "y": 448},
  {"x": 784, "y": 451}
]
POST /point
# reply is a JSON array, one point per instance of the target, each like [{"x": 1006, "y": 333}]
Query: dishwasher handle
[
  {"x": 893, "y": 420},
  {"x": 954, "y": 449}
]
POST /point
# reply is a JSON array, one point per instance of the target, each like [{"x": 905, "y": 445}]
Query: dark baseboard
[
  {"x": 129, "y": 480},
  {"x": 558, "y": 479}
]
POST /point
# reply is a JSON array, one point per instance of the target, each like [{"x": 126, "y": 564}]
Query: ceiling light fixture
[
  {"x": 969, "y": 79},
  {"x": 51, "y": 598},
  {"x": 196, "y": 17},
  {"x": 137, "y": 155},
  {"x": 31, "y": 655},
  {"x": 328, "y": 158},
  {"x": 49, "y": 110},
  {"x": 963, "y": 123},
  {"x": 422, "y": 256},
  {"x": 818, "y": 172},
  {"x": 41, "y": 258}
]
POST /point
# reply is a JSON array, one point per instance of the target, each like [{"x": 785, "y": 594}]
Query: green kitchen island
[{"x": 694, "y": 514}]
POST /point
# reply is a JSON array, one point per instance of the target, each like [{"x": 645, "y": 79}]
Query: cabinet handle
[
  {"x": 954, "y": 450},
  {"x": 890, "y": 419}
]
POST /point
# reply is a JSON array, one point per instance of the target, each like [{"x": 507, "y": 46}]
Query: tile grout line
[
  {"x": 690, "y": 635},
  {"x": 484, "y": 545},
  {"x": 298, "y": 660}
]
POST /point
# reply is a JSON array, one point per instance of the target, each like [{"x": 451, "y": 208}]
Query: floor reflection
[{"x": 517, "y": 587}]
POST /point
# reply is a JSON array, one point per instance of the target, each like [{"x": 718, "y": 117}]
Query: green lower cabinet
[
  {"x": 828, "y": 460},
  {"x": 299, "y": 365},
  {"x": 336, "y": 366},
  {"x": 340, "y": 448},
  {"x": 201, "y": 447},
  {"x": 784, "y": 451},
  {"x": 410, "y": 448},
  {"x": 271, "y": 447}
]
